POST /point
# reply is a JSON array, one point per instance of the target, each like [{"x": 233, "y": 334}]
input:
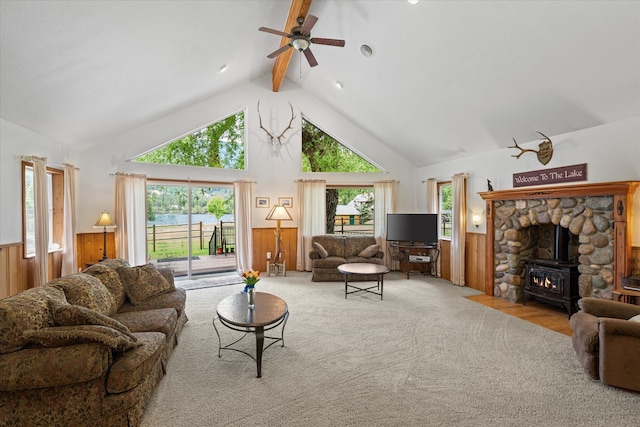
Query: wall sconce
[{"x": 476, "y": 219}]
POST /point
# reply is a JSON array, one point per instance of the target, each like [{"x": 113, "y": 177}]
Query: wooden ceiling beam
[{"x": 299, "y": 8}]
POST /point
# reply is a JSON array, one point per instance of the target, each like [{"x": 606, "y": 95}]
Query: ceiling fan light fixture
[{"x": 300, "y": 44}]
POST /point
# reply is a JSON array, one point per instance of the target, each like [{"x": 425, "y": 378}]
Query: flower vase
[{"x": 252, "y": 298}]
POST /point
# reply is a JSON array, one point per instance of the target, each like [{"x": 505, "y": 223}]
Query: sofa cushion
[
  {"x": 37, "y": 368},
  {"x": 329, "y": 262},
  {"x": 176, "y": 299},
  {"x": 351, "y": 259},
  {"x": 320, "y": 249},
  {"x": 30, "y": 309},
  {"x": 353, "y": 245},
  {"x": 110, "y": 278},
  {"x": 59, "y": 336},
  {"x": 160, "y": 320},
  {"x": 334, "y": 245},
  {"x": 131, "y": 368},
  {"x": 73, "y": 315},
  {"x": 87, "y": 291},
  {"x": 369, "y": 251},
  {"x": 143, "y": 282}
]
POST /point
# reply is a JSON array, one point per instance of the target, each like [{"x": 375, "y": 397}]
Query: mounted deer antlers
[
  {"x": 544, "y": 151},
  {"x": 272, "y": 139}
]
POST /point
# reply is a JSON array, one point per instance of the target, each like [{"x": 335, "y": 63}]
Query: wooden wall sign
[{"x": 551, "y": 176}]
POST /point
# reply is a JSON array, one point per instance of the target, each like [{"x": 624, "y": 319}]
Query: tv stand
[{"x": 427, "y": 254}]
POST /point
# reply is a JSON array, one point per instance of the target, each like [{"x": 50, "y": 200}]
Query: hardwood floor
[{"x": 545, "y": 315}]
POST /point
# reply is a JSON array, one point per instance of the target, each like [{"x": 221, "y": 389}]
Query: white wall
[
  {"x": 611, "y": 152},
  {"x": 15, "y": 142}
]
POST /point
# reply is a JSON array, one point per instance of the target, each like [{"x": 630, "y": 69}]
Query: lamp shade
[
  {"x": 279, "y": 212},
  {"x": 105, "y": 220}
]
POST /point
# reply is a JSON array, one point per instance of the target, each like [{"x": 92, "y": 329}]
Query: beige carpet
[{"x": 425, "y": 356}]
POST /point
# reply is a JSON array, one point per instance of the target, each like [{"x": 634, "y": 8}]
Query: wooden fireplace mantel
[{"x": 622, "y": 192}]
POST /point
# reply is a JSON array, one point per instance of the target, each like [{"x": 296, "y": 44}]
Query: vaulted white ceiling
[{"x": 447, "y": 79}]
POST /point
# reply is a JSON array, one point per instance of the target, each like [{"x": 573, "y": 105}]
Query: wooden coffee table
[
  {"x": 363, "y": 268},
  {"x": 270, "y": 312}
]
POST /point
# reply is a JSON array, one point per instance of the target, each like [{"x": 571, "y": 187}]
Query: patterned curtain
[
  {"x": 131, "y": 218},
  {"x": 311, "y": 217},
  {"x": 384, "y": 202},
  {"x": 242, "y": 191},
  {"x": 459, "y": 228},
  {"x": 69, "y": 259}
]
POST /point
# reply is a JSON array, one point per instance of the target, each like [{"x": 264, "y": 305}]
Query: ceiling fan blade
[
  {"x": 308, "y": 24},
  {"x": 330, "y": 42},
  {"x": 269, "y": 30},
  {"x": 279, "y": 51},
  {"x": 310, "y": 58}
]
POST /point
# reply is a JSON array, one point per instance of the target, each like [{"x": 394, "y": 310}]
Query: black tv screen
[{"x": 412, "y": 228}]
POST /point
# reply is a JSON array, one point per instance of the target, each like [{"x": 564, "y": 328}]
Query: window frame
[
  {"x": 56, "y": 209},
  {"x": 442, "y": 211}
]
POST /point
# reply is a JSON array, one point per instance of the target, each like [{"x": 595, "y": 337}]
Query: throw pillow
[
  {"x": 143, "y": 282},
  {"x": 75, "y": 315},
  {"x": 59, "y": 336},
  {"x": 635, "y": 318},
  {"x": 320, "y": 249},
  {"x": 369, "y": 251}
]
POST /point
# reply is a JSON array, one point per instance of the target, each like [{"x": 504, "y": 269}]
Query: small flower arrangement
[{"x": 251, "y": 277}]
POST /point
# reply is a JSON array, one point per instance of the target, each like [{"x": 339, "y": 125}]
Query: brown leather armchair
[{"x": 607, "y": 343}]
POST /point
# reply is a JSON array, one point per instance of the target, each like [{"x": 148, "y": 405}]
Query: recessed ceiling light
[
  {"x": 222, "y": 68},
  {"x": 413, "y": 1},
  {"x": 366, "y": 50},
  {"x": 339, "y": 85}
]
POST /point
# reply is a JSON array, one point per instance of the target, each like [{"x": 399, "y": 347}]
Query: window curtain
[
  {"x": 242, "y": 191},
  {"x": 311, "y": 218},
  {"x": 41, "y": 208},
  {"x": 69, "y": 259},
  {"x": 458, "y": 229},
  {"x": 131, "y": 218},
  {"x": 384, "y": 202},
  {"x": 432, "y": 196}
]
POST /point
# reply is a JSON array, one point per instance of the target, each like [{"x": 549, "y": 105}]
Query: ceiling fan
[{"x": 301, "y": 39}]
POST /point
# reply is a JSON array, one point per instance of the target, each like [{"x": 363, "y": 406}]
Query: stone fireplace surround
[{"x": 598, "y": 214}]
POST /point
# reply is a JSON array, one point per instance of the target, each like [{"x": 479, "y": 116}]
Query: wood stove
[{"x": 555, "y": 282}]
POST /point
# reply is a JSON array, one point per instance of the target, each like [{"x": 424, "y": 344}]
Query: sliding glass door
[{"x": 190, "y": 228}]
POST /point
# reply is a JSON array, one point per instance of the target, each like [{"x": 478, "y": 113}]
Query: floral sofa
[
  {"x": 88, "y": 348},
  {"x": 330, "y": 250}
]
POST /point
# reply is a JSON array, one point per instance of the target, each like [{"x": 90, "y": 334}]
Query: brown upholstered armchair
[{"x": 607, "y": 343}]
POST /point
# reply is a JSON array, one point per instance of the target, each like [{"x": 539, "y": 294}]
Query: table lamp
[
  {"x": 105, "y": 221},
  {"x": 278, "y": 213}
]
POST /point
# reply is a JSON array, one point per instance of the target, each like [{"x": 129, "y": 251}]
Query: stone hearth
[
  {"x": 598, "y": 216},
  {"x": 516, "y": 240}
]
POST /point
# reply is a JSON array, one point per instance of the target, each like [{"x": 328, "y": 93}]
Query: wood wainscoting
[
  {"x": 16, "y": 272},
  {"x": 264, "y": 240},
  {"x": 475, "y": 252},
  {"x": 89, "y": 247}
]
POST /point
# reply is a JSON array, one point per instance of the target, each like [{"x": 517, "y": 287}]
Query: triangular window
[
  {"x": 219, "y": 145},
  {"x": 323, "y": 153}
]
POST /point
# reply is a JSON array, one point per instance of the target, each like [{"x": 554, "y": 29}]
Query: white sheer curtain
[
  {"x": 131, "y": 218},
  {"x": 311, "y": 218},
  {"x": 459, "y": 228},
  {"x": 242, "y": 191},
  {"x": 41, "y": 210},
  {"x": 384, "y": 202},
  {"x": 432, "y": 196},
  {"x": 69, "y": 259}
]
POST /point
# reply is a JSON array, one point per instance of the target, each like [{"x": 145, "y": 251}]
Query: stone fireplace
[{"x": 522, "y": 226}]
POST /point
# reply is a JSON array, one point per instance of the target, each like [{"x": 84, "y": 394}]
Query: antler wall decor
[
  {"x": 276, "y": 141},
  {"x": 544, "y": 151}
]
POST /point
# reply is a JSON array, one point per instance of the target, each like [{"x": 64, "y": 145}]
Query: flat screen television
[{"x": 413, "y": 228}]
